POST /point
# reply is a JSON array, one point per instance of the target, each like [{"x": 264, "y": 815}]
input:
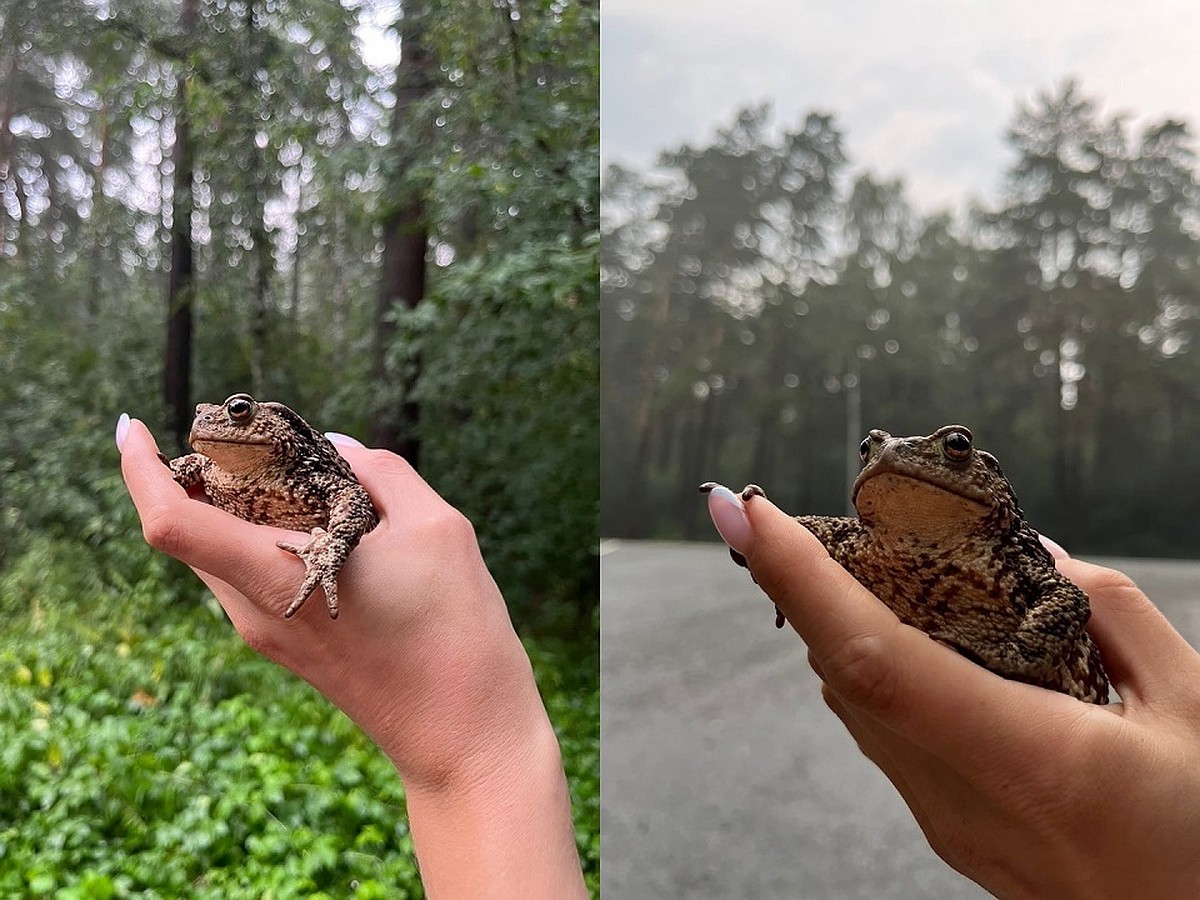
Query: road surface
[{"x": 723, "y": 775}]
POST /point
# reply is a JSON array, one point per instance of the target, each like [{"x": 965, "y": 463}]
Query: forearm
[
  {"x": 487, "y": 797},
  {"x": 505, "y": 832}
]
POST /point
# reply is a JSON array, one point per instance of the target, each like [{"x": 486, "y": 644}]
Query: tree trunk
[
  {"x": 297, "y": 253},
  {"x": 6, "y": 167},
  {"x": 405, "y": 237},
  {"x": 403, "y": 282},
  {"x": 21, "y": 236},
  {"x": 695, "y": 461},
  {"x": 99, "y": 220},
  {"x": 644, "y": 416},
  {"x": 258, "y": 322},
  {"x": 340, "y": 289},
  {"x": 178, "y": 362},
  {"x": 258, "y": 226}
]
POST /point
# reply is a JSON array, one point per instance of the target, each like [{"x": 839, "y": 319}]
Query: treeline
[
  {"x": 203, "y": 197},
  {"x": 763, "y": 304}
]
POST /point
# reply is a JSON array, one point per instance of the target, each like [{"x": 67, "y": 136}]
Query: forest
[
  {"x": 764, "y": 303},
  {"x": 383, "y": 214}
]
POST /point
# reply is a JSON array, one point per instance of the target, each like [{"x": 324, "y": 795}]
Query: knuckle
[
  {"x": 954, "y": 847},
  {"x": 953, "y": 833},
  {"x": 1117, "y": 582},
  {"x": 260, "y": 640},
  {"x": 947, "y": 845},
  {"x": 450, "y": 527},
  {"x": 983, "y": 863},
  {"x": 1094, "y": 578},
  {"x": 460, "y": 528},
  {"x": 163, "y": 531},
  {"x": 862, "y": 672}
]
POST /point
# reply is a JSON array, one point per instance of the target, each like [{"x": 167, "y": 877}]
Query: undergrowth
[{"x": 146, "y": 751}]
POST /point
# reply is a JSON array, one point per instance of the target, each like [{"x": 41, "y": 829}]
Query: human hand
[
  {"x": 1028, "y": 792},
  {"x": 424, "y": 658}
]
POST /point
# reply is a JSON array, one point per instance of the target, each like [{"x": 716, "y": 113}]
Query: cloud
[{"x": 923, "y": 90}]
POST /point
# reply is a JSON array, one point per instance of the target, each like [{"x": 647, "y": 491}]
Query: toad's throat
[
  {"x": 242, "y": 457},
  {"x": 904, "y": 503}
]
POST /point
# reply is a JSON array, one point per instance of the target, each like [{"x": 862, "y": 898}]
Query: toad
[
  {"x": 265, "y": 464},
  {"x": 940, "y": 539}
]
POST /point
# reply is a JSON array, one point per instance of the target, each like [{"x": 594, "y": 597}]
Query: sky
[{"x": 922, "y": 89}]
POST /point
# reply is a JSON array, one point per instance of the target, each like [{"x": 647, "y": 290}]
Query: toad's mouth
[
  {"x": 230, "y": 449},
  {"x": 909, "y": 484},
  {"x": 227, "y": 441}
]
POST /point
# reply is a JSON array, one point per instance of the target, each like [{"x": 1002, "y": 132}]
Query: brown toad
[
  {"x": 265, "y": 464},
  {"x": 940, "y": 539}
]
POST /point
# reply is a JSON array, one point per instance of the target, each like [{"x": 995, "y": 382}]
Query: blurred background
[
  {"x": 382, "y": 214},
  {"x": 769, "y": 293},
  {"x": 823, "y": 219}
]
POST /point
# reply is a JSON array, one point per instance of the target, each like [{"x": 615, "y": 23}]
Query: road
[{"x": 723, "y": 775}]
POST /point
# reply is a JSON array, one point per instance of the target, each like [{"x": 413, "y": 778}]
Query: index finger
[
  {"x": 1146, "y": 658},
  {"x": 401, "y": 496},
  {"x": 388, "y": 477},
  {"x": 922, "y": 690}
]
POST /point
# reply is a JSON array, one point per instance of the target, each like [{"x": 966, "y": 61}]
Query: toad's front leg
[
  {"x": 188, "y": 470},
  {"x": 351, "y": 515}
]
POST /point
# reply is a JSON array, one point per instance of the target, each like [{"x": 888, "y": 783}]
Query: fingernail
[
  {"x": 122, "y": 430},
  {"x": 1055, "y": 550},
  {"x": 729, "y": 515},
  {"x": 336, "y": 437}
]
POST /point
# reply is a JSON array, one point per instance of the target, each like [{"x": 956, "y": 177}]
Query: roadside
[{"x": 723, "y": 774}]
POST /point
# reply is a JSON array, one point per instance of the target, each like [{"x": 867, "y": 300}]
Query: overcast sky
[{"x": 923, "y": 90}]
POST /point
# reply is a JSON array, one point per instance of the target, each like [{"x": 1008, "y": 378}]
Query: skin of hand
[
  {"x": 1027, "y": 792},
  {"x": 424, "y": 659}
]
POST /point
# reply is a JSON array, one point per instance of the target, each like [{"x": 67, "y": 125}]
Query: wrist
[
  {"x": 483, "y": 775},
  {"x": 456, "y": 699},
  {"x": 509, "y": 814}
]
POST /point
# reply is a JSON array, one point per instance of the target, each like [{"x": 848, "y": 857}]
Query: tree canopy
[{"x": 764, "y": 304}]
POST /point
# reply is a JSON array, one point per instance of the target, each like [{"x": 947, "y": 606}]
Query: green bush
[{"x": 510, "y": 430}]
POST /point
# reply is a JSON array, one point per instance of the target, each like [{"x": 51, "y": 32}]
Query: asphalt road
[{"x": 723, "y": 775}]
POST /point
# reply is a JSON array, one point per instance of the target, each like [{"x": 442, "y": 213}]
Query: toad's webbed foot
[{"x": 323, "y": 555}]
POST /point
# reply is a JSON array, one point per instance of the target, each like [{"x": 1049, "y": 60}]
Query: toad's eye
[
  {"x": 864, "y": 449},
  {"x": 957, "y": 445},
  {"x": 240, "y": 408}
]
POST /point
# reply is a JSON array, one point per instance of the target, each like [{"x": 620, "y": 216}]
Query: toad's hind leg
[
  {"x": 351, "y": 515},
  {"x": 323, "y": 555}
]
